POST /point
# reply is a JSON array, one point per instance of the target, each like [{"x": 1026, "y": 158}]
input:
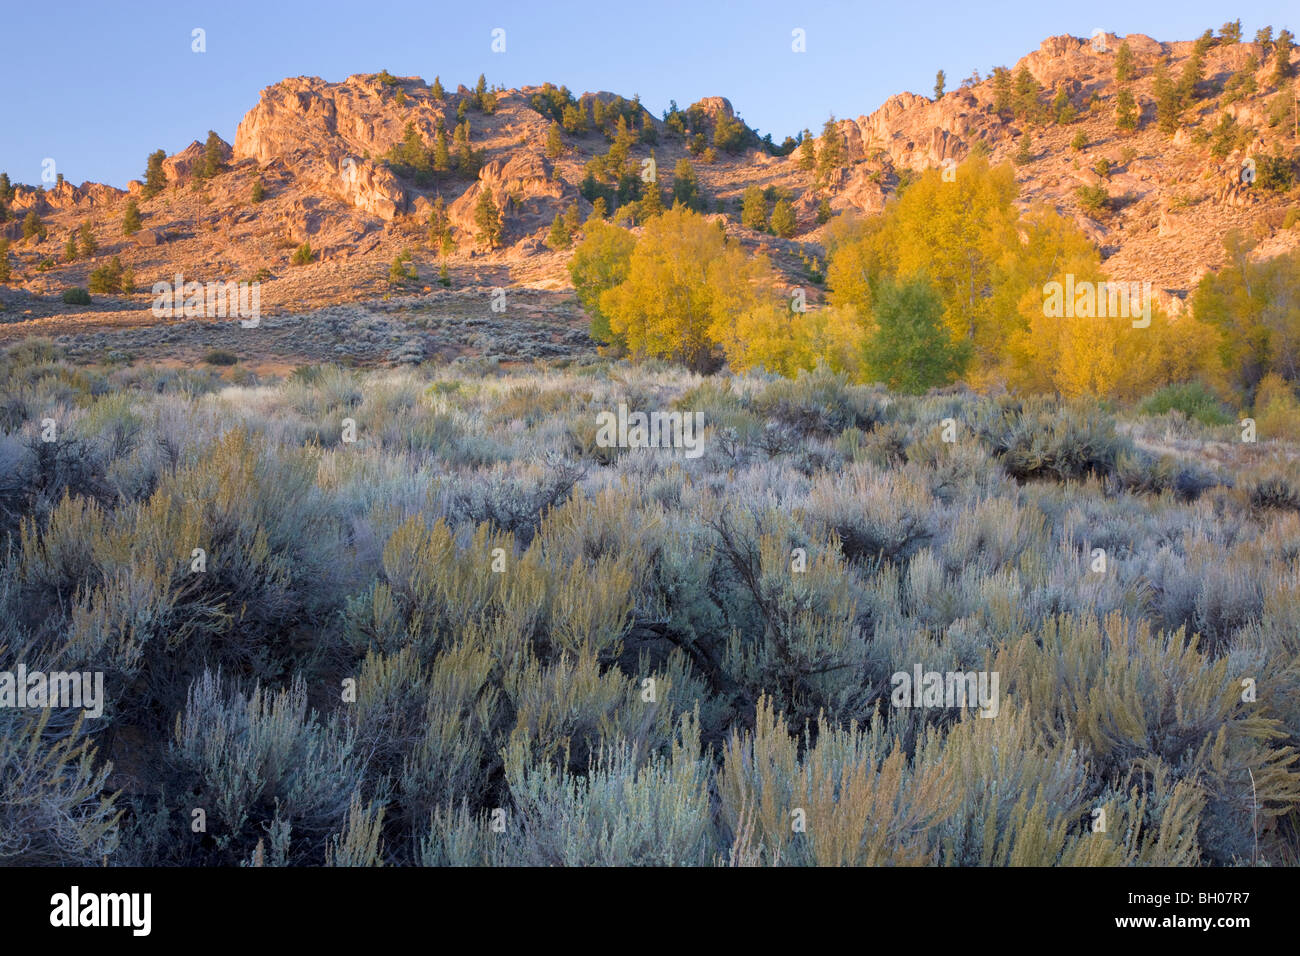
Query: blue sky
[{"x": 97, "y": 86}]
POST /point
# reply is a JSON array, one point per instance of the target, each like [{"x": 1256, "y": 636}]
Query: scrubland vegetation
[{"x": 565, "y": 653}]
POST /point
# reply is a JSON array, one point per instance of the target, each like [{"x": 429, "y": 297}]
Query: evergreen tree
[
  {"x": 155, "y": 180},
  {"x": 488, "y": 219},
  {"x": 211, "y": 155},
  {"x": 32, "y": 225},
  {"x": 831, "y": 154},
  {"x": 1126, "y": 113},
  {"x": 939, "y": 80},
  {"x": 599, "y": 210},
  {"x": 824, "y": 211},
  {"x": 465, "y": 163},
  {"x": 1282, "y": 70},
  {"x": 88, "y": 244},
  {"x": 439, "y": 225},
  {"x": 6, "y": 187},
  {"x": 728, "y": 133},
  {"x": 807, "y": 153},
  {"x": 1193, "y": 72},
  {"x": 70, "y": 249},
  {"x": 259, "y": 191},
  {"x": 554, "y": 142},
  {"x": 439, "y": 93},
  {"x": 6, "y": 272},
  {"x": 1002, "y": 94},
  {"x": 753, "y": 213},
  {"x": 1264, "y": 37},
  {"x": 1062, "y": 109},
  {"x": 441, "y": 154},
  {"x": 559, "y": 237},
  {"x": 1231, "y": 32},
  {"x": 652, "y": 203},
  {"x": 1125, "y": 69},
  {"x": 686, "y": 187},
  {"x": 131, "y": 221},
  {"x": 1024, "y": 95},
  {"x": 1025, "y": 154},
  {"x": 783, "y": 219},
  {"x": 1169, "y": 104}
]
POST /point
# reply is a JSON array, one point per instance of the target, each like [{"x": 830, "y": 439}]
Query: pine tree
[
  {"x": 439, "y": 93},
  {"x": 441, "y": 154},
  {"x": 939, "y": 80},
  {"x": 70, "y": 249},
  {"x": 1231, "y": 32},
  {"x": 465, "y": 164},
  {"x": 211, "y": 161},
  {"x": 824, "y": 211},
  {"x": 1193, "y": 72},
  {"x": 753, "y": 213},
  {"x": 1126, "y": 114},
  {"x": 1282, "y": 70},
  {"x": 1001, "y": 89},
  {"x": 783, "y": 219},
  {"x": 32, "y": 225},
  {"x": 439, "y": 225},
  {"x": 6, "y": 187},
  {"x": 1125, "y": 69},
  {"x": 1264, "y": 37},
  {"x": 807, "y": 153},
  {"x": 686, "y": 187},
  {"x": 554, "y": 142},
  {"x": 598, "y": 210},
  {"x": 259, "y": 191},
  {"x": 652, "y": 203},
  {"x": 559, "y": 237},
  {"x": 1062, "y": 108},
  {"x": 1024, "y": 95},
  {"x": 1025, "y": 154},
  {"x": 1169, "y": 105},
  {"x": 131, "y": 221},
  {"x": 831, "y": 153},
  {"x": 5, "y": 270},
  {"x": 155, "y": 180},
  {"x": 488, "y": 219},
  {"x": 88, "y": 244}
]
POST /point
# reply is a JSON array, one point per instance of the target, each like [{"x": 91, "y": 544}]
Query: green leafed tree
[
  {"x": 910, "y": 349},
  {"x": 600, "y": 262}
]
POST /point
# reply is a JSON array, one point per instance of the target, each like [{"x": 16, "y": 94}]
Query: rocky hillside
[{"x": 319, "y": 149}]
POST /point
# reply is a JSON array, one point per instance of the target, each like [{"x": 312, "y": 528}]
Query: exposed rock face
[
  {"x": 179, "y": 167},
  {"x": 522, "y": 188},
  {"x": 63, "y": 196},
  {"x": 323, "y": 133}
]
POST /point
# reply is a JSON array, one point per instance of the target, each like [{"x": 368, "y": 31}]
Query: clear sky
[{"x": 97, "y": 86}]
